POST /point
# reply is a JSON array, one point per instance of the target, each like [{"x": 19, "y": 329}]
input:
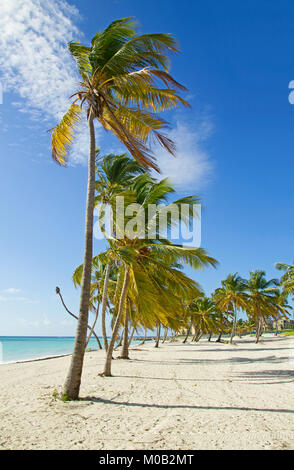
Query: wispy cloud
[
  {"x": 11, "y": 290},
  {"x": 35, "y": 323},
  {"x": 10, "y": 295},
  {"x": 193, "y": 167},
  {"x": 34, "y": 59}
]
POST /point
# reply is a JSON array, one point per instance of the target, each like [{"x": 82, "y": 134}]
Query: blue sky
[{"x": 235, "y": 144}]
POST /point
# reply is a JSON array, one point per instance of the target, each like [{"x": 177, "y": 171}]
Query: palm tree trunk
[
  {"x": 158, "y": 336},
  {"x": 165, "y": 334},
  {"x": 199, "y": 336},
  {"x": 107, "y": 367},
  {"x": 258, "y": 330},
  {"x": 94, "y": 324},
  {"x": 219, "y": 337},
  {"x": 173, "y": 338},
  {"x": 74, "y": 316},
  {"x": 131, "y": 336},
  {"x": 196, "y": 334},
  {"x": 73, "y": 379},
  {"x": 234, "y": 326},
  {"x": 210, "y": 335},
  {"x": 125, "y": 348},
  {"x": 143, "y": 342},
  {"x": 104, "y": 303},
  {"x": 120, "y": 340},
  {"x": 188, "y": 333}
]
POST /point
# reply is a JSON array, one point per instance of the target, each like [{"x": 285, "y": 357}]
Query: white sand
[{"x": 193, "y": 396}]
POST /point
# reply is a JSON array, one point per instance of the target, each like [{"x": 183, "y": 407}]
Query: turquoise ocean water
[{"x": 20, "y": 348}]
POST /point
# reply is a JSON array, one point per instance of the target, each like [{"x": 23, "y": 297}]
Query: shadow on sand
[{"x": 188, "y": 407}]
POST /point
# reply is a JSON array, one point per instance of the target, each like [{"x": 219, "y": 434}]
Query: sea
[{"x": 25, "y": 348}]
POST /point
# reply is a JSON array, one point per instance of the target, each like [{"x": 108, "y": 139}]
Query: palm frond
[{"x": 63, "y": 134}]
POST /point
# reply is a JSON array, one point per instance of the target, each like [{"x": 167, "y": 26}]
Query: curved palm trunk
[
  {"x": 104, "y": 303},
  {"x": 234, "y": 326},
  {"x": 143, "y": 342},
  {"x": 93, "y": 326},
  {"x": 165, "y": 335},
  {"x": 107, "y": 367},
  {"x": 219, "y": 337},
  {"x": 120, "y": 340},
  {"x": 188, "y": 333},
  {"x": 199, "y": 336},
  {"x": 73, "y": 379},
  {"x": 197, "y": 332},
  {"x": 158, "y": 336},
  {"x": 74, "y": 316},
  {"x": 125, "y": 348},
  {"x": 131, "y": 336}
]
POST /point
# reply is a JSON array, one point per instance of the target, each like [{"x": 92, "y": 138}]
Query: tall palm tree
[
  {"x": 115, "y": 173},
  {"x": 120, "y": 74},
  {"x": 262, "y": 298},
  {"x": 231, "y": 297}
]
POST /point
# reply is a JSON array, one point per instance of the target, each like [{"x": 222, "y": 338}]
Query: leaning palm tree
[
  {"x": 231, "y": 297},
  {"x": 203, "y": 311},
  {"x": 263, "y": 298},
  {"x": 115, "y": 173},
  {"x": 121, "y": 72}
]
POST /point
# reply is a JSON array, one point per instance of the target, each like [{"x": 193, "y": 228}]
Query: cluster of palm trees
[
  {"x": 125, "y": 83},
  {"x": 262, "y": 300},
  {"x": 139, "y": 281}
]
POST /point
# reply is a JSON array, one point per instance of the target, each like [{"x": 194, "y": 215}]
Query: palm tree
[
  {"x": 262, "y": 298},
  {"x": 120, "y": 72},
  {"x": 231, "y": 297},
  {"x": 287, "y": 280},
  {"x": 115, "y": 174},
  {"x": 154, "y": 286},
  {"x": 203, "y": 316}
]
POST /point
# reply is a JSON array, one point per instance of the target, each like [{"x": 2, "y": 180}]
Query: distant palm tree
[
  {"x": 120, "y": 72},
  {"x": 263, "y": 296},
  {"x": 287, "y": 280},
  {"x": 231, "y": 297},
  {"x": 203, "y": 316}
]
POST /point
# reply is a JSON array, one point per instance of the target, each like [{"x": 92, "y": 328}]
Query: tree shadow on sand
[{"x": 188, "y": 407}]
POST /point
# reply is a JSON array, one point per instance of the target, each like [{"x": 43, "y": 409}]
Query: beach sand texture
[{"x": 180, "y": 396}]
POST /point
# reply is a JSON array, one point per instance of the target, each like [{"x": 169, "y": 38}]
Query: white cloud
[
  {"x": 34, "y": 60},
  {"x": 11, "y": 296},
  {"x": 11, "y": 290},
  {"x": 25, "y": 322},
  {"x": 192, "y": 168}
]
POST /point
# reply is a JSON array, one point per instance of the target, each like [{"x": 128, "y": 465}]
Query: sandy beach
[{"x": 180, "y": 396}]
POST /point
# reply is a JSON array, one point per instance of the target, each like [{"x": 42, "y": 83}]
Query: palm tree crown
[{"x": 125, "y": 82}]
